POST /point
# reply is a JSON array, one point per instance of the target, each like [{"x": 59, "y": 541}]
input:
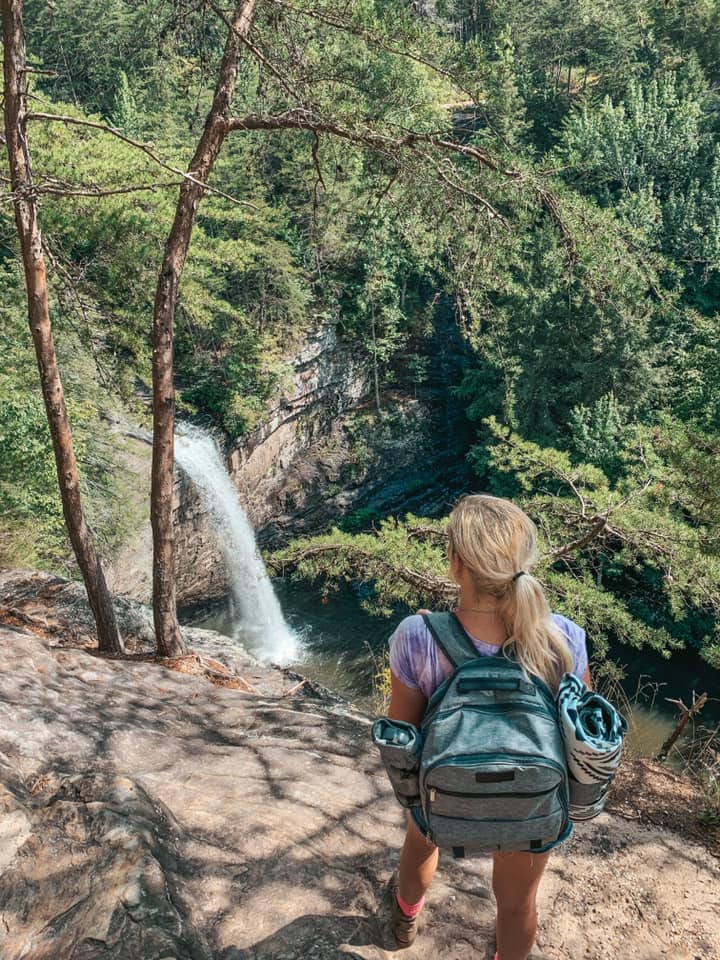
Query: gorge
[{"x": 323, "y": 453}]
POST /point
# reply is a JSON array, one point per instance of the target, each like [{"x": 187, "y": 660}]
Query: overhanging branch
[
  {"x": 368, "y": 565},
  {"x": 301, "y": 119},
  {"x": 583, "y": 541}
]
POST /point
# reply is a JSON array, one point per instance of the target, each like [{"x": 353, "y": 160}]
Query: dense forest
[{"x": 545, "y": 174}]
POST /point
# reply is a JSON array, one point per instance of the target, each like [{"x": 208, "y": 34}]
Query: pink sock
[{"x": 410, "y": 909}]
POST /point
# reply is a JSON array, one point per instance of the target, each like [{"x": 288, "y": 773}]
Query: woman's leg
[
  {"x": 418, "y": 863},
  {"x": 516, "y": 878}
]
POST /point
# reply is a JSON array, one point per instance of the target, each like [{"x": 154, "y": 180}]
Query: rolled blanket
[{"x": 593, "y": 731}]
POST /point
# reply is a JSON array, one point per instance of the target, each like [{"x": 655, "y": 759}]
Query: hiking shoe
[{"x": 404, "y": 928}]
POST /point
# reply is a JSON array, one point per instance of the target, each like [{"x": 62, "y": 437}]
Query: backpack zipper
[
  {"x": 433, "y": 791},
  {"x": 469, "y": 759},
  {"x": 497, "y": 708}
]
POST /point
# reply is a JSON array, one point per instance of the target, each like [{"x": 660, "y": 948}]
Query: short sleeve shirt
[{"x": 416, "y": 661}]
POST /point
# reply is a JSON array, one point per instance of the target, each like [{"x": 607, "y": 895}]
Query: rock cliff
[
  {"x": 321, "y": 453},
  {"x": 151, "y": 815}
]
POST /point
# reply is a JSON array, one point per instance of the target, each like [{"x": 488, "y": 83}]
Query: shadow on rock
[{"x": 317, "y": 937}]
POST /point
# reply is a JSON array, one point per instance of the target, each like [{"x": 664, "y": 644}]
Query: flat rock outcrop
[{"x": 146, "y": 814}]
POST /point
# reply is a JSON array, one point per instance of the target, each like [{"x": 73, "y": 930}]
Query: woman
[{"x": 492, "y": 548}]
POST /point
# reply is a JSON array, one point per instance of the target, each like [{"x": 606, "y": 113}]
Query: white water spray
[{"x": 260, "y": 623}]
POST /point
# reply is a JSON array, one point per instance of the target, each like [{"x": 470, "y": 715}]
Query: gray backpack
[{"x": 487, "y": 771}]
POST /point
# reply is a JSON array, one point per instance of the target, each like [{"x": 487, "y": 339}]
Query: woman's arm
[
  {"x": 587, "y": 680},
  {"x": 405, "y": 702}
]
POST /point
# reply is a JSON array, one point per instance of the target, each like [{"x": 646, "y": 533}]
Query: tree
[
  {"x": 634, "y": 559},
  {"x": 651, "y": 138},
  {"x": 28, "y": 229},
  {"x": 125, "y": 113},
  {"x": 167, "y": 629},
  {"x": 506, "y": 107},
  {"x": 377, "y": 218},
  {"x": 218, "y": 124},
  {"x": 598, "y": 434},
  {"x": 304, "y": 117}
]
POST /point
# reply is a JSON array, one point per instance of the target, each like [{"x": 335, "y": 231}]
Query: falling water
[{"x": 258, "y": 619}]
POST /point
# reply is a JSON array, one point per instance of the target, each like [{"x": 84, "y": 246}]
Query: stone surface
[
  {"x": 147, "y": 815},
  {"x": 303, "y": 468}
]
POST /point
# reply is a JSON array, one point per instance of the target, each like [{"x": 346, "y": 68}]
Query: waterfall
[{"x": 260, "y": 624}]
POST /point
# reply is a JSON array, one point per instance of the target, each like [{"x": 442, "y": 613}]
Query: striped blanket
[{"x": 593, "y": 732}]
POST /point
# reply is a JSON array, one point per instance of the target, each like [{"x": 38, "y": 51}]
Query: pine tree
[{"x": 125, "y": 115}]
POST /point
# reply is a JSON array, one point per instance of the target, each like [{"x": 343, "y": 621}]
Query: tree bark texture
[
  {"x": 28, "y": 229},
  {"x": 167, "y": 630}
]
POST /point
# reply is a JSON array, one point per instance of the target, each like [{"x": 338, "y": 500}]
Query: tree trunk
[
  {"x": 39, "y": 317},
  {"x": 167, "y": 629}
]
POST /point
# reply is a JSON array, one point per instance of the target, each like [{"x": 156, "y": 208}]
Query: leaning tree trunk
[
  {"x": 15, "y": 70},
  {"x": 167, "y": 629}
]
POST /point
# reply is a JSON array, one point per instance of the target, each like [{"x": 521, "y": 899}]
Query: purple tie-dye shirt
[{"x": 416, "y": 661}]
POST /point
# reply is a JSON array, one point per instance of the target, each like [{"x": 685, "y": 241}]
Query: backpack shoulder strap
[{"x": 451, "y": 638}]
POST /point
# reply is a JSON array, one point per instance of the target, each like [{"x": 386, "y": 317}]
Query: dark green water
[
  {"x": 344, "y": 647},
  {"x": 341, "y": 641}
]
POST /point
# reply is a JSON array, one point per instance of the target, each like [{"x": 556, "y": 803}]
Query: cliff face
[
  {"x": 324, "y": 452},
  {"x": 329, "y": 378}
]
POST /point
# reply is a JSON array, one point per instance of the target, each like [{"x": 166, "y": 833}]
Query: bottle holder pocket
[{"x": 400, "y": 744}]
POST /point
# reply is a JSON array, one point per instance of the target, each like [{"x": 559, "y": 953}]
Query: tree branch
[
  {"x": 301, "y": 119},
  {"x": 59, "y": 188},
  {"x": 106, "y": 128},
  {"x": 438, "y": 588},
  {"x": 588, "y": 537},
  {"x": 372, "y": 39},
  {"x": 284, "y": 82}
]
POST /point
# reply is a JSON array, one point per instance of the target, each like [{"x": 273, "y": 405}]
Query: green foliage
[
  {"x": 582, "y": 264},
  {"x": 558, "y": 335},
  {"x": 634, "y": 559},
  {"x": 125, "y": 114},
  {"x": 693, "y": 25},
  {"x": 87, "y": 43},
  {"x": 339, "y": 229},
  {"x": 598, "y": 434},
  {"x": 648, "y": 575},
  {"x": 656, "y": 144},
  {"x": 507, "y": 111},
  {"x": 31, "y": 521},
  {"x": 652, "y": 137},
  {"x": 394, "y": 560},
  {"x": 32, "y": 529},
  {"x": 692, "y": 219},
  {"x": 28, "y": 482}
]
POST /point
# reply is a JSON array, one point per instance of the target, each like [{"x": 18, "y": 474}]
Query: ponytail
[
  {"x": 535, "y": 640},
  {"x": 497, "y": 542}
]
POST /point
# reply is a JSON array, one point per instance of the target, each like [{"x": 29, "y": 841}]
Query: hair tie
[{"x": 520, "y": 573}]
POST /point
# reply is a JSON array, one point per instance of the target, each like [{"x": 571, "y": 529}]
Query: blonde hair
[{"x": 497, "y": 543}]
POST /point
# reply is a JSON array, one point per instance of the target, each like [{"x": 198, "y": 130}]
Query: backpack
[{"x": 487, "y": 770}]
